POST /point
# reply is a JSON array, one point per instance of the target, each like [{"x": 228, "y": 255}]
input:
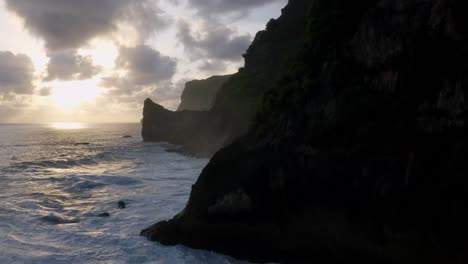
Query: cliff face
[
  {"x": 199, "y": 95},
  {"x": 272, "y": 52},
  {"x": 188, "y": 129},
  {"x": 359, "y": 153}
]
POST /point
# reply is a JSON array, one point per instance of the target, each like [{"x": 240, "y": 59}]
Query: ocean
[{"x": 57, "y": 181}]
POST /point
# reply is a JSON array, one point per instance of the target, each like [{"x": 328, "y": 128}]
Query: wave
[
  {"x": 55, "y": 219},
  {"x": 84, "y": 186},
  {"x": 62, "y": 163}
]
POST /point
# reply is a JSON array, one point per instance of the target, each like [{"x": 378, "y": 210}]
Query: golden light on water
[{"x": 67, "y": 125}]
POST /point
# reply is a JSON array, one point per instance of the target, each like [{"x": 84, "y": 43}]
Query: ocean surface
[{"x": 55, "y": 181}]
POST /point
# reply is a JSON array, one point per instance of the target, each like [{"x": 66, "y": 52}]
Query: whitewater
[{"x": 57, "y": 182}]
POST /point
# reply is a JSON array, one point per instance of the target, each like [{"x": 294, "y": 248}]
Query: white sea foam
[{"x": 53, "y": 190}]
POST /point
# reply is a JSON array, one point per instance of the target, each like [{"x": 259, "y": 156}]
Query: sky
[{"x": 98, "y": 60}]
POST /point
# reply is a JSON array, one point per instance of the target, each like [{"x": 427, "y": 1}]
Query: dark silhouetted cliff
[
  {"x": 358, "y": 154},
  {"x": 199, "y": 95},
  {"x": 272, "y": 52}
]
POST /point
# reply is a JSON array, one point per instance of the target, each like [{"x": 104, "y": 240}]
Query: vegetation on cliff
[{"x": 358, "y": 153}]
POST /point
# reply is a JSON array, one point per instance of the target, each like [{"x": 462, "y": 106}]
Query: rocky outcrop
[
  {"x": 194, "y": 131},
  {"x": 272, "y": 52},
  {"x": 358, "y": 154},
  {"x": 199, "y": 95}
]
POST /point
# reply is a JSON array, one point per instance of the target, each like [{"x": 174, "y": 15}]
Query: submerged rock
[
  {"x": 126, "y": 136},
  {"x": 121, "y": 205},
  {"x": 104, "y": 215}
]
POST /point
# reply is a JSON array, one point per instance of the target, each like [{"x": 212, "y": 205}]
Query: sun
[{"x": 69, "y": 95}]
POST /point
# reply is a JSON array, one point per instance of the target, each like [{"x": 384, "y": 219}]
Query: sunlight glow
[
  {"x": 67, "y": 126},
  {"x": 102, "y": 52},
  {"x": 68, "y": 95}
]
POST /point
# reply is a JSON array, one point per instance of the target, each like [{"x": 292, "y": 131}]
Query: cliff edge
[
  {"x": 272, "y": 52},
  {"x": 357, "y": 154},
  {"x": 199, "y": 95}
]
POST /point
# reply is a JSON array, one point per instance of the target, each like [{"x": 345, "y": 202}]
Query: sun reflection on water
[{"x": 67, "y": 125}]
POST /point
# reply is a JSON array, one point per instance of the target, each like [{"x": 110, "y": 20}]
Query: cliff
[
  {"x": 272, "y": 52},
  {"x": 198, "y": 95},
  {"x": 192, "y": 130},
  {"x": 357, "y": 154}
]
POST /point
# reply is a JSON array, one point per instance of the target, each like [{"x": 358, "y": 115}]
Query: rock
[
  {"x": 104, "y": 215},
  {"x": 357, "y": 154},
  {"x": 162, "y": 125},
  {"x": 199, "y": 95},
  {"x": 121, "y": 205},
  {"x": 232, "y": 111}
]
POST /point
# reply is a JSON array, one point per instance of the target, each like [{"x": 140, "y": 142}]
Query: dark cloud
[
  {"x": 65, "y": 24},
  {"x": 68, "y": 65},
  {"x": 214, "y": 7},
  {"x": 216, "y": 41},
  {"x": 16, "y": 74},
  {"x": 46, "y": 91},
  {"x": 143, "y": 67},
  {"x": 146, "y": 17}
]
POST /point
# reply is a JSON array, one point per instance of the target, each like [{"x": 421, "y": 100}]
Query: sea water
[{"x": 55, "y": 181}]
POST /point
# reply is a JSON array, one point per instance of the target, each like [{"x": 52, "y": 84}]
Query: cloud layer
[
  {"x": 142, "y": 66},
  {"x": 215, "y": 7},
  {"x": 125, "y": 59},
  {"x": 16, "y": 74},
  {"x": 145, "y": 65},
  {"x": 70, "y": 66},
  {"x": 214, "y": 41},
  {"x": 70, "y": 24}
]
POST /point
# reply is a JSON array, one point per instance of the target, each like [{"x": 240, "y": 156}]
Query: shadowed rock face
[
  {"x": 358, "y": 154},
  {"x": 193, "y": 130},
  {"x": 203, "y": 133},
  {"x": 199, "y": 95}
]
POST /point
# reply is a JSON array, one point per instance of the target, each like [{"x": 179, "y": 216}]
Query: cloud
[
  {"x": 68, "y": 65},
  {"x": 7, "y": 114},
  {"x": 166, "y": 93},
  {"x": 70, "y": 24},
  {"x": 213, "y": 66},
  {"x": 144, "y": 72},
  {"x": 146, "y": 65},
  {"x": 16, "y": 74},
  {"x": 143, "y": 67},
  {"x": 46, "y": 91},
  {"x": 214, "y": 7},
  {"x": 214, "y": 41}
]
